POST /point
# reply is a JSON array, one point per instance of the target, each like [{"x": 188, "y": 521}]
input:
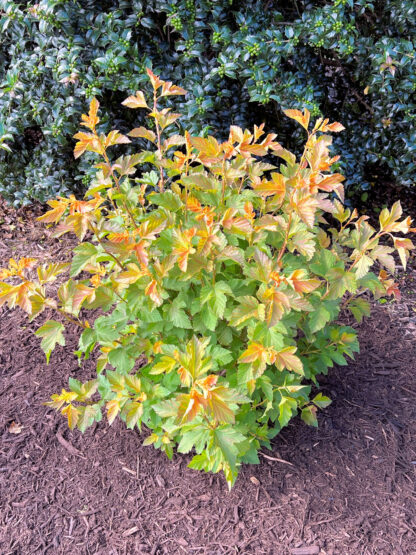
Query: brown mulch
[{"x": 345, "y": 488}]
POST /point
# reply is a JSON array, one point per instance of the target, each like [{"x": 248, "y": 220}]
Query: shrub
[
  {"x": 213, "y": 272},
  {"x": 350, "y": 59}
]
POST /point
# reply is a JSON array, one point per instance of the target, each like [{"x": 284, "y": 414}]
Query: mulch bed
[{"x": 345, "y": 488}]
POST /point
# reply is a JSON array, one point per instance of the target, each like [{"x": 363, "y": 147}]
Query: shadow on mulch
[{"x": 349, "y": 487}]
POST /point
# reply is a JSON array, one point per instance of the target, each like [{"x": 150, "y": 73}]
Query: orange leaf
[
  {"x": 82, "y": 293},
  {"x": 58, "y": 209},
  {"x": 153, "y": 292},
  {"x": 154, "y": 79},
  {"x": 275, "y": 187},
  {"x": 335, "y": 127},
  {"x": 92, "y": 119},
  {"x": 300, "y": 284},
  {"x": 305, "y": 205},
  {"x": 255, "y": 351},
  {"x": 168, "y": 89},
  {"x": 297, "y": 115},
  {"x": 141, "y": 253},
  {"x": 287, "y": 359}
]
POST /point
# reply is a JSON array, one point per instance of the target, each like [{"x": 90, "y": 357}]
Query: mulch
[{"x": 347, "y": 487}]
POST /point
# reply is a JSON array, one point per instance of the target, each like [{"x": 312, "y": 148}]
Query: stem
[
  {"x": 95, "y": 231},
  {"x": 72, "y": 320},
  {"x": 282, "y": 250},
  {"x": 117, "y": 182},
  {"x": 159, "y": 145},
  {"x": 365, "y": 248},
  {"x": 223, "y": 181}
]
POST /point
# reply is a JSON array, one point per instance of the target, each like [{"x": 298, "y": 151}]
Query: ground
[{"x": 347, "y": 487}]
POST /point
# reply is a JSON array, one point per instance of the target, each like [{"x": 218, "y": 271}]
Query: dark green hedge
[{"x": 242, "y": 62}]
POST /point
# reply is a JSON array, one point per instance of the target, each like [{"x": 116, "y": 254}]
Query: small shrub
[{"x": 216, "y": 270}]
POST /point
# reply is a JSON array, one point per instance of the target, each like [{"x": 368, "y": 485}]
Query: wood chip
[
  {"x": 70, "y": 448},
  {"x": 254, "y": 480},
  {"x": 160, "y": 481},
  {"x": 15, "y": 428},
  {"x": 129, "y": 470},
  {"x": 130, "y": 531},
  {"x": 307, "y": 550}
]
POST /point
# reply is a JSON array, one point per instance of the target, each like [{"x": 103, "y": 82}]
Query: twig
[{"x": 275, "y": 459}]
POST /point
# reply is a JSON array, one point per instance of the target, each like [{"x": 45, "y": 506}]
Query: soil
[{"x": 347, "y": 487}]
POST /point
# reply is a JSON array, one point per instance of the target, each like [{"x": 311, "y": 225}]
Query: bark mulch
[{"x": 345, "y": 488}]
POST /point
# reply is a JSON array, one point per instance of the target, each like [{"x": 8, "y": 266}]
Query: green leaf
[
  {"x": 208, "y": 318},
  {"x": 178, "y": 316},
  {"x": 51, "y": 333},
  {"x": 200, "y": 462},
  {"x": 287, "y": 407},
  {"x": 167, "y": 408},
  {"x": 323, "y": 262},
  {"x": 85, "y": 253},
  {"x": 266, "y": 387},
  {"x": 196, "y": 436},
  {"x": 165, "y": 364},
  {"x": 359, "y": 309},
  {"x": 308, "y": 415},
  {"x": 341, "y": 282},
  {"x": 133, "y": 411},
  {"x": 227, "y": 439},
  {"x": 120, "y": 359},
  {"x": 88, "y": 414},
  {"x": 168, "y": 200},
  {"x": 321, "y": 401},
  {"x": 318, "y": 318},
  {"x": 220, "y": 355},
  {"x": 249, "y": 307}
]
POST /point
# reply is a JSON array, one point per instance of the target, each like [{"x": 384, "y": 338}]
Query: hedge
[{"x": 242, "y": 62}]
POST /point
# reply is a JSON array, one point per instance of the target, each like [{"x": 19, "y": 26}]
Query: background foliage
[{"x": 241, "y": 62}]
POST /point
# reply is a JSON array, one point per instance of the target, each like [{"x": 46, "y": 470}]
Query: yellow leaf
[
  {"x": 133, "y": 274},
  {"x": 403, "y": 247},
  {"x": 137, "y": 101},
  {"x": 143, "y": 133},
  {"x": 58, "y": 209},
  {"x": 113, "y": 408},
  {"x": 275, "y": 187},
  {"x": 388, "y": 218},
  {"x": 72, "y": 415},
  {"x": 183, "y": 246}
]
